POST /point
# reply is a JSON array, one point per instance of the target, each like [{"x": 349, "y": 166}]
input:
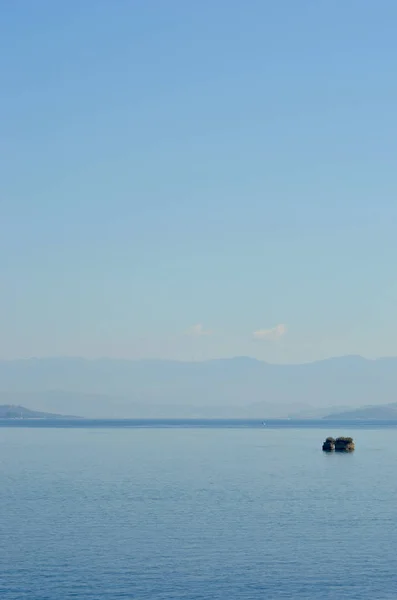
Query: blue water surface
[{"x": 166, "y": 511}]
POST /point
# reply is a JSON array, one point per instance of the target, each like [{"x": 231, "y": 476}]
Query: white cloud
[
  {"x": 272, "y": 334},
  {"x": 197, "y": 331}
]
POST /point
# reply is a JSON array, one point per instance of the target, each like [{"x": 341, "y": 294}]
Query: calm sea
[{"x": 219, "y": 511}]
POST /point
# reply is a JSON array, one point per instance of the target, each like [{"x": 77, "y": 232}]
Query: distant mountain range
[
  {"x": 386, "y": 412},
  {"x": 383, "y": 412},
  {"x": 238, "y": 387},
  {"x": 10, "y": 411}
]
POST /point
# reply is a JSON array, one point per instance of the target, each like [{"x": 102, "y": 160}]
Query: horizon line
[{"x": 187, "y": 361}]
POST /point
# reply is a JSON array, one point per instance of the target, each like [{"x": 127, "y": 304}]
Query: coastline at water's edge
[{"x": 71, "y": 423}]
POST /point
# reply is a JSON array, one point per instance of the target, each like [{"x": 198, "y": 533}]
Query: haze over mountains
[
  {"x": 10, "y": 411},
  {"x": 236, "y": 387}
]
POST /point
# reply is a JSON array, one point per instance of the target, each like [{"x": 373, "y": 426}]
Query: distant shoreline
[{"x": 326, "y": 425}]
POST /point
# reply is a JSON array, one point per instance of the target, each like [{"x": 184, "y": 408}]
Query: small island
[
  {"x": 329, "y": 444},
  {"x": 340, "y": 444}
]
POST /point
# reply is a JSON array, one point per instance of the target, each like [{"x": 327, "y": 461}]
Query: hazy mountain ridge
[
  {"x": 12, "y": 411},
  {"x": 382, "y": 412},
  {"x": 240, "y": 387}
]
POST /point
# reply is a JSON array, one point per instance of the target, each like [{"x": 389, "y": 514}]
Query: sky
[{"x": 196, "y": 180}]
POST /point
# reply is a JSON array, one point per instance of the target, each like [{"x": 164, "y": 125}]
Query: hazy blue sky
[{"x": 222, "y": 167}]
